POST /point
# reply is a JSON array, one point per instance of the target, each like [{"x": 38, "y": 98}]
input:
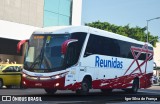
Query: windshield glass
[{"x": 44, "y": 52}]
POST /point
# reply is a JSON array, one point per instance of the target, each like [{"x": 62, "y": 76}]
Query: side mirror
[
  {"x": 20, "y": 44},
  {"x": 65, "y": 45}
]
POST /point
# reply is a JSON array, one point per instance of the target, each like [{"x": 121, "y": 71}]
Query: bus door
[{"x": 69, "y": 49}]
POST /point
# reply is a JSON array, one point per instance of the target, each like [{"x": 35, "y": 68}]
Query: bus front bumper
[{"x": 43, "y": 82}]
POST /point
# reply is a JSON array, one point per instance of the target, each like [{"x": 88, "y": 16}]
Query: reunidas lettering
[{"x": 113, "y": 63}]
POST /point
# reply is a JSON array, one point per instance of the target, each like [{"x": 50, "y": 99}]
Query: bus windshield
[{"x": 44, "y": 53}]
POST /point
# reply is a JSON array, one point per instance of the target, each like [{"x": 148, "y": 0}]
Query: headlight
[
  {"x": 58, "y": 76},
  {"x": 33, "y": 78},
  {"x": 29, "y": 77},
  {"x": 45, "y": 78},
  {"x": 55, "y": 77}
]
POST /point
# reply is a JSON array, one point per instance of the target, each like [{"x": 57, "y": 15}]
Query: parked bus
[{"x": 80, "y": 58}]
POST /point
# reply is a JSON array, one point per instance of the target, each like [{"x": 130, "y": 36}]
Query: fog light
[
  {"x": 57, "y": 84},
  {"x": 57, "y": 76},
  {"x": 24, "y": 82}
]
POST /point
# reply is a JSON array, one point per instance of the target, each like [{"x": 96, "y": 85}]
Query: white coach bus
[{"x": 80, "y": 58}]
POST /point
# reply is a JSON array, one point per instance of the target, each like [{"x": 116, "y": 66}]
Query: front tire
[
  {"x": 50, "y": 91},
  {"x": 85, "y": 86}
]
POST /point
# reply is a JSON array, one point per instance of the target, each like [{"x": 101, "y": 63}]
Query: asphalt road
[{"x": 145, "y": 96}]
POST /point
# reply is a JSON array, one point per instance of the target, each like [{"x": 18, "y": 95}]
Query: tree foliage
[{"x": 137, "y": 33}]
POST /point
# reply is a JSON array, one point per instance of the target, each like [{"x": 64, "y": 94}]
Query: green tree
[{"x": 137, "y": 33}]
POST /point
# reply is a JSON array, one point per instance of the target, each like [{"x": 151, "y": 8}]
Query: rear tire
[
  {"x": 50, "y": 91},
  {"x": 1, "y": 83},
  {"x": 134, "y": 88},
  {"x": 85, "y": 86}
]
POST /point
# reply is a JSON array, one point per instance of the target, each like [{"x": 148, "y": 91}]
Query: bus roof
[{"x": 86, "y": 29}]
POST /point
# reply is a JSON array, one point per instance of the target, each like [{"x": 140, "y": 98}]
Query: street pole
[{"x": 147, "y": 26}]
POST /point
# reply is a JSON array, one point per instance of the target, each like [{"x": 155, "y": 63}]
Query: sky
[{"x": 123, "y": 12}]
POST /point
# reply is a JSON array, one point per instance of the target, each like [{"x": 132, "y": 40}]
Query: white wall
[
  {"x": 156, "y": 58},
  {"x": 76, "y": 12},
  {"x": 28, "y": 12},
  {"x": 157, "y": 54},
  {"x": 15, "y": 31}
]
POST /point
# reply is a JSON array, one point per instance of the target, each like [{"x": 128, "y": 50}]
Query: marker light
[{"x": 24, "y": 75}]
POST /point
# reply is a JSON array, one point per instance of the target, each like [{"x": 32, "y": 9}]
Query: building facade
[
  {"x": 19, "y": 18},
  {"x": 41, "y": 13},
  {"x": 157, "y": 59}
]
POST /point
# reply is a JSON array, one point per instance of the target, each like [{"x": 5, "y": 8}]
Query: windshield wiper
[
  {"x": 39, "y": 57},
  {"x": 35, "y": 62}
]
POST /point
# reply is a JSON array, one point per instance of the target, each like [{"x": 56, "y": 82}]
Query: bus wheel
[
  {"x": 50, "y": 91},
  {"x": 1, "y": 83},
  {"x": 135, "y": 87},
  {"x": 106, "y": 91},
  {"x": 85, "y": 85}
]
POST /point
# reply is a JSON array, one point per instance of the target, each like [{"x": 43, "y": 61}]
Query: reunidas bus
[{"x": 80, "y": 58}]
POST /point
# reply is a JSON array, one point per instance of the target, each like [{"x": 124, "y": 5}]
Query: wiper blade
[
  {"x": 35, "y": 62},
  {"x": 40, "y": 56}
]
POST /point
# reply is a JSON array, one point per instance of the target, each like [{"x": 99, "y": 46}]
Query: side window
[
  {"x": 9, "y": 69},
  {"x": 102, "y": 46},
  {"x": 125, "y": 49},
  {"x": 90, "y": 49},
  {"x": 94, "y": 45},
  {"x": 107, "y": 46},
  {"x": 74, "y": 49},
  {"x": 13, "y": 69},
  {"x": 71, "y": 57},
  {"x": 80, "y": 36},
  {"x": 17, "y": 68},
  {"x": 111, "y": 47},
  {"x": 142, "y": 55}
]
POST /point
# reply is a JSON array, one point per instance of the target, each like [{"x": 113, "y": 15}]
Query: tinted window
[
  {"x": 13, "y": 69},
  {"x": 80, "y": 36},
  {"x": 74, "y": 49},
  {"x": 94, "y": 45},
  {"x": 111, "y": 47},
  {"x": 103, "y": 46}
]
